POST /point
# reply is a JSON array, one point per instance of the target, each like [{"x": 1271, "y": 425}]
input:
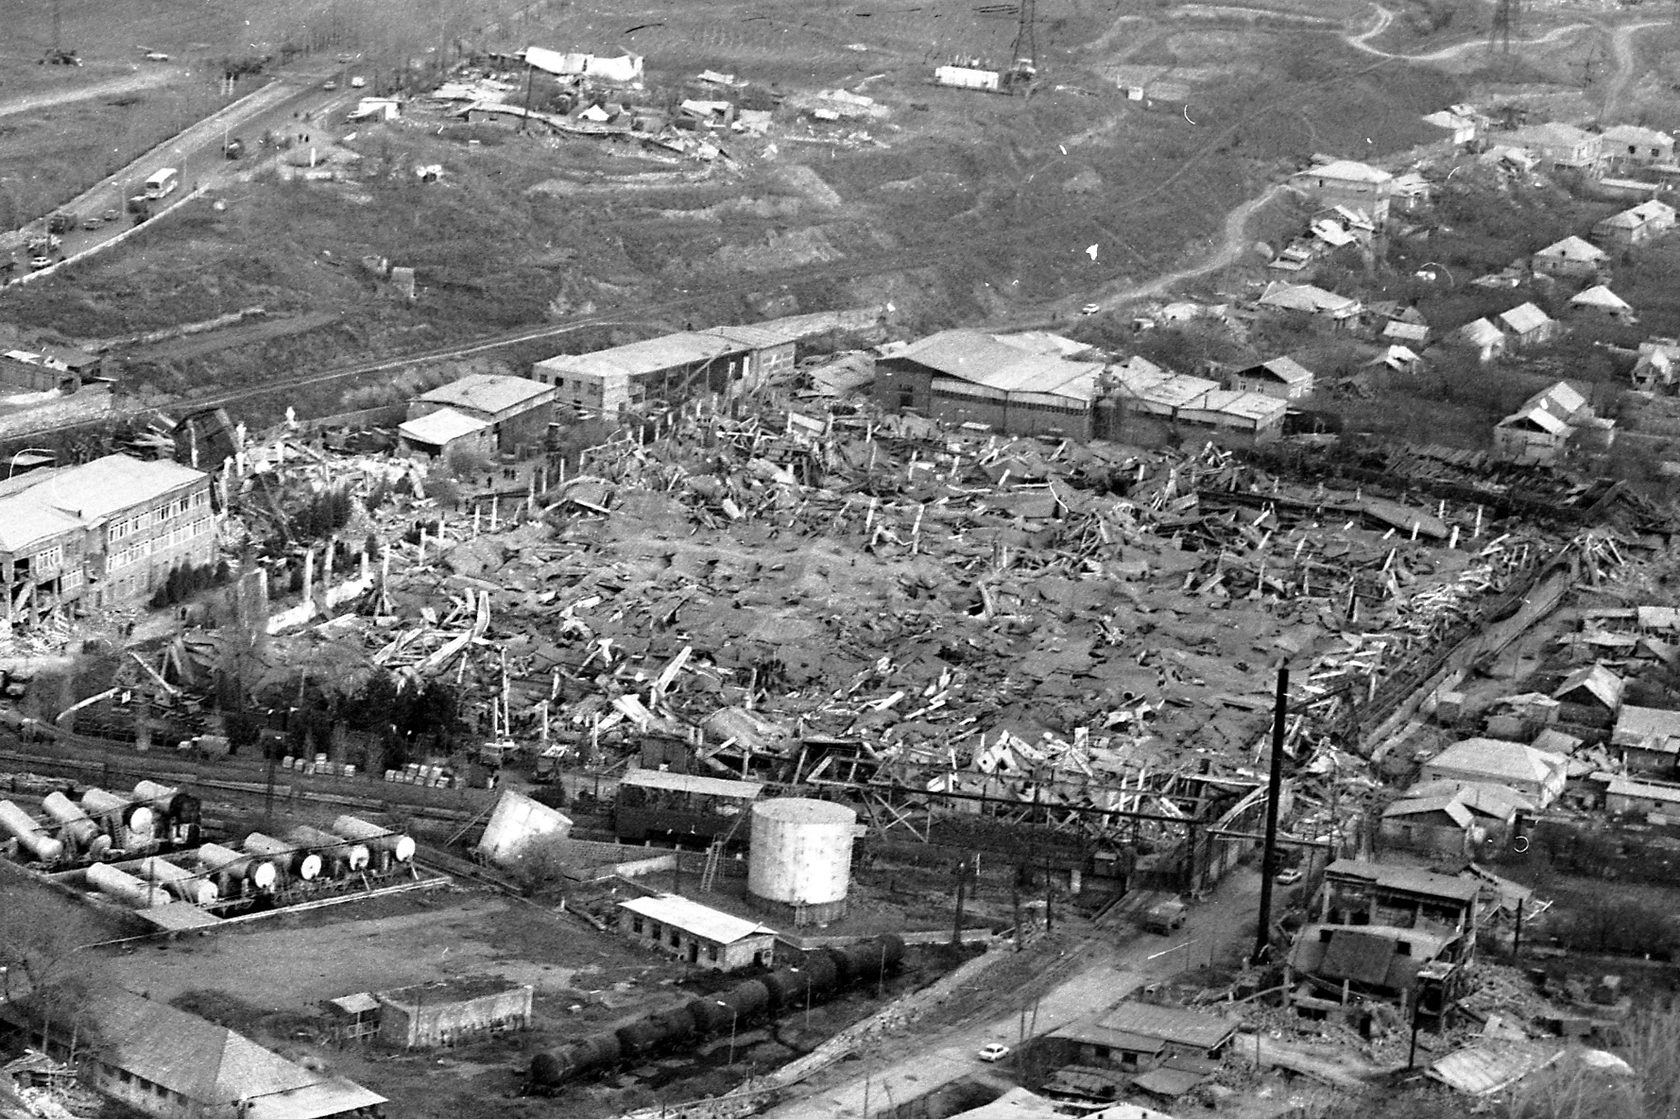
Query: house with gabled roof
[
  {"x": 1306, "y": 299},
  {"x": 1282, "y": 377},
  {"x": 1658, "y": 360},
  {"x": 1462, "y": 127},
  {"x": 1560, "y": 146},
  {"x": 1527, "y": 325},
  {"x": 1439, "y": 824},
  {"x": 1570, "y": 257},
  {"x": 1485, "y": 339},
  {"x": 1599, "y": 302},
  {"x": 517, "y": 409},
  {"x": 1495, "y": 761},
  {"x": 1541, "y": 430}
]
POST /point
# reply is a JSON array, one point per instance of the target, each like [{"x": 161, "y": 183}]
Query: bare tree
[{"x": 46, "y": 972}]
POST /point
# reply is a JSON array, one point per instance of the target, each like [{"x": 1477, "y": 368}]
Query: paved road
[
  {"x": 1110, "y": 966},
  {"x": 197, "y": 152}
]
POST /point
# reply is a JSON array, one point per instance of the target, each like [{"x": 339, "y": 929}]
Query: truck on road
[
  {"x": 163, "y": 182},
  {"x": 1164, "y": 917}
]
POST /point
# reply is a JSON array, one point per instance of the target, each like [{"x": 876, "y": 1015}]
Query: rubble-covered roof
[
  {"x": 1485, "y": 1067},
  {"x": 1403, "y": 879},
  {"x": 692, "y": 917},
  {"x": 1195, "y": 1029}
]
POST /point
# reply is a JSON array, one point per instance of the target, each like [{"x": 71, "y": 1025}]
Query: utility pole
[
  {"x": 962, "y": 889},
  {"x": 1274, "y": 789}
]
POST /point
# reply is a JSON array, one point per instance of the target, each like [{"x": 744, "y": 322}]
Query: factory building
[
  {"x": 672, "y": 369},
  {"x": 696, "y": 934},
  {"x": 800, "y": 863},
  {"x": 170, "y": 1064},
  {"x": 517, "y": 409},
  {"x": 451, "y": 1011}
]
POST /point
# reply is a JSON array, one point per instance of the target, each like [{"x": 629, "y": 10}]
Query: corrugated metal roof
[
  {"x": 1598, "y": 681},
  {"x": 1175, "y": 1025},
  {"x": 1486, "y": 1067},
  {"x": 362, "y": 1002},
  {"x": 760, "y": 336},
  {"x": 692, "y": 917},
  {"x": 691, "y": 783},
  {"x": 1306, "y": 297},
  {"x": 1347, "y": 170},
  {"x": 1637, "y": 726},
  {"x": 440, "y": 427},
  {"x": 111, "y": 484},
  {"x": 1403, "y": 879},
  {"x": 488, "y": 392},
  {"x": 670, "y": 351},
  {"x": 1481, "y": 332},
  {"x": 1600, "y": 296},
  {"x": 1494, "y": 759},
  {"x": 1285, "y": 369},
  {"x": 1644, "y": 790},
  {"x": 963, "y": 353},
  {"x": 26, "y": 523},
  {"x": 1422, "y": 806}
]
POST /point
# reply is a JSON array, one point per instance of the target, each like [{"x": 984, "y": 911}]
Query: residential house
[
  {"x": 1461, "y": 123},
  {"x": 670, "y": 370},
  {"x": 1600, "y": 303},
  {"x": 1629, "y": 146},
  {"x": 1412, "y": 335},
  {"x": 141, "y": 521},
  {"x": 1440, "y": 824},
  {"x": 1484, "y": 339},
  {"x": 1526, "y": 325},
  {"x": 1410, "y": 191},
  {"x": 1655, "y": 368},
  {"x": 1494, "y": 808},
  {"x": 1635, "y": 226},
  {"x": 1626, "y": 796},
  {"x": 1571, "y": 257},
  {"x": 1559, "y": 146},
  {"x": 1590, "y": 696},
  {"x": 517, "y": 409},
  {"x": 1282, "y": 377},
  {"x": 169, "y": 1064},
  {"x": 1549, "y": 423},
  {"x": 1648, "y": 739},
  {"x": 1346, "y": 182},
  {"x": 1305, "y": 299},
  {"x": 1530, "y": 772},
  {"x": 41, "y": 558},
  {"x": 446, "y": 432},
  {"x": 696, "y": 934}
]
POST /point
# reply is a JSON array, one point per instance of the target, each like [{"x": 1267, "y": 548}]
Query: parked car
[
  {"x": 358, "y": 82},
  {"x": 1289, "y": 876},
  {"x": 110, "y": 215},
  {"x": 330, "y": 85},
  {"x": 1164, "y": 917},
  {"x": 1090, "y": 309},
  {"x": 993, "y": 1053},
  {"x": 39, "y": 262},
  {"x": 92, "y": 221}
]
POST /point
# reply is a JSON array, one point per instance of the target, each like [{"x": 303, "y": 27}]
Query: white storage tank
[
  {"x": 801, "y": 856},
  {"x": 30, "y": 835},
  {"x": 124, "y": 887},
  {"x": 179, "y": 881}
]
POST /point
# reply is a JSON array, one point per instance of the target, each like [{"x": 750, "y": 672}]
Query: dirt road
[
  {"x": 1362, "y": 41},
  {"x": 111, "y": 87},
  {"x": 1231, "y": 248},
  {"x": 1621, "y": 51},
  {"x": 1108, "y": 966}
]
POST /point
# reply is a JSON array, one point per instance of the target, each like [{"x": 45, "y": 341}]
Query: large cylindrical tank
[
  {"x": 801, "y": 851},
  {"x": 306, "y": 865},
  {"x": 124, "y": 887},
  {"x": 80, "y": 830},
  {"x": 825, "y": 976},
  {"x": 173, "y": 808},
  {"x": 30, "y": 835},
  {"x": 749, "y": 1000},
  {"x": 138, "y": 823},
  {"x": 181, "y": 882},
  {"x": 641, "y": 1037},
  {"x": 872, "y": 958},
  {"x": 399, "y": 846},
  {"x": 341, "y": 854},
  {"x": 258, "y": 873},
  {"x": 787, "y": 987}
]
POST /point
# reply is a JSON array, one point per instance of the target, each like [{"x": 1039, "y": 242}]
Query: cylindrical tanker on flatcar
[
  {"x": 76, "y": 825},
  {"x": 341, "y": 855},
  {"x": 178, "y": 813},
  {"x": 130, "y": 824},
  {"x": 239, "y": 871},
  {"x": 299, "y": 862}
]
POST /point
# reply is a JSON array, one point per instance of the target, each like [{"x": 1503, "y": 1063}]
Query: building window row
[{"x": 175, "y": 507}]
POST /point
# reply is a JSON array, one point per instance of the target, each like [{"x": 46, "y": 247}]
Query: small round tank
[
  {"x": 181, "y": 882},
  {"x": 258, "y": 873},
  {"x": 306, "y": 865},
  {"x": 77, "y": 827},
  {"x": 399, "y": 846},
  {"x": 30, "y": 835},
  {"x": 124, "y": 887},
  {"x": 801, "y": 851}
]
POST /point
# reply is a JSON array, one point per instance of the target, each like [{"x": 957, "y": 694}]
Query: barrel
[
  {"x": 178, "y": 881},
  {"x": 30, "y": 836},
  {"x": 306, "y": 865}
]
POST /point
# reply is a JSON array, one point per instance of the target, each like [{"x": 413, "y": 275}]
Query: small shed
[
  {"x": 445, "y": 432},
  {"x": 1626, "y": 796},
  {"x": 1439, "y": 824},
  {"x": 1648, "y": 737},
  {"x": 1527, "y": 325},
  {"x": 452, "y": 1011},
  {"x": 1590, "y": 695},
  {"x": 352, "y": 1017},
  {"x": 697, "y": 934}
]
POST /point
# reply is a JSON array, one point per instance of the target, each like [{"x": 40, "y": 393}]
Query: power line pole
[{"x": 1274, "y": 790}]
